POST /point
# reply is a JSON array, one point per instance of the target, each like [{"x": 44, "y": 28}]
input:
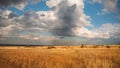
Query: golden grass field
[{"x": 60, "y": 57}]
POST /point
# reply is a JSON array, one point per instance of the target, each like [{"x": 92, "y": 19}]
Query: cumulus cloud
[{"x": 69, "y": 15}]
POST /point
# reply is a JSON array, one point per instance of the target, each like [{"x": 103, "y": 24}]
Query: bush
[
  {"x": 82, "y": 46},
  {"x": 102, "y": 45},
  {"x": 96, "y": 46},
  {"x": 107, "y": 46},
  {"x": 50, "y": 47}
]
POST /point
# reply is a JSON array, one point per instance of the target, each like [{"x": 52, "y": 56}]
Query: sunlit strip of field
[{"x": 60, "y": 57}]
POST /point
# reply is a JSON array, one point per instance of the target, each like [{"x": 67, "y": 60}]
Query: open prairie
[{"x": 60, "y": 56}]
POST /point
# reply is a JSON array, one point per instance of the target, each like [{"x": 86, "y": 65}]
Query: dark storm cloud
[
  {"x": 12, "y": 15},
  {"x": 68, "y": 17},
  {"x": 6, "y": 3}
]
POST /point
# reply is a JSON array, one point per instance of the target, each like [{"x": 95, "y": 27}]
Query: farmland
[{"x": 60, "y": 56}]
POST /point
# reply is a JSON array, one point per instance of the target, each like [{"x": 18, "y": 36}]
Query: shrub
[
  {"x": 96, "y": 46},
  {"x": 107, "y": 46},
  {"x": 50, "y": 47},
  {"x": 102, "y": 45},
  {"x": 119, "y": 47},
  {"x": 82, "y": 46}
]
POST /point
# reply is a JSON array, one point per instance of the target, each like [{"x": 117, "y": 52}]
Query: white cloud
[
  {"x": 107, "y": 31},
  {"x": 111, "y": 29},
  {"x": 109, "y": 6},
  {"x": 5, "y": 31},
  {"x": 53, "y": 3},
  {"x": 5, "y": 13},
  {"x": 103, "y": 12},
  {"x": 21, "y": 6}
]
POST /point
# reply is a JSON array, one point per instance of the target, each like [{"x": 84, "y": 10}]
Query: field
[{"x": 60, "y": 56}]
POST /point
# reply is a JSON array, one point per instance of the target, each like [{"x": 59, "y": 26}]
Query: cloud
[
  {"x": 105, "y": 31},
  {"x": 110, "y": 30},
  {"x": 52, "y": 3},
  {"x": 20, "y": 4},
  {"x": 12, "y": 15},
  {"x": 27, "y": 27},
  {"x": 5, "y": 31},
  {"x": 69, "y": 15},
  {"x": 10, "y": 2},
  {"x": 5, "y": 13},
  {"x": 109, "y": 6},
  {"x": 38, "y": 37},
  {"x": 29, "y": 23},
  {"x": 72, "y": 21},
  {"x": 67, "y": 20}
]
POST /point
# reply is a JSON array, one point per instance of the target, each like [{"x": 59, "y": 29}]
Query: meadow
[{"x": 60, "y": 56}]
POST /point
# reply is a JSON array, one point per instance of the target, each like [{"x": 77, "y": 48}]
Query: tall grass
[{"x": 61, "y": 58}]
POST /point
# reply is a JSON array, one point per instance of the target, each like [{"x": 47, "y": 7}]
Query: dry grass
[{"x": 60, "y": 57}]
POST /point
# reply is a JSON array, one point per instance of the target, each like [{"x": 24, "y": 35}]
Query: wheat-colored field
[{"x": 60, "y": 57}]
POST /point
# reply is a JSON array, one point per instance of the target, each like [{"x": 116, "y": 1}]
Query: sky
[{"x": 59, "y": 22}]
